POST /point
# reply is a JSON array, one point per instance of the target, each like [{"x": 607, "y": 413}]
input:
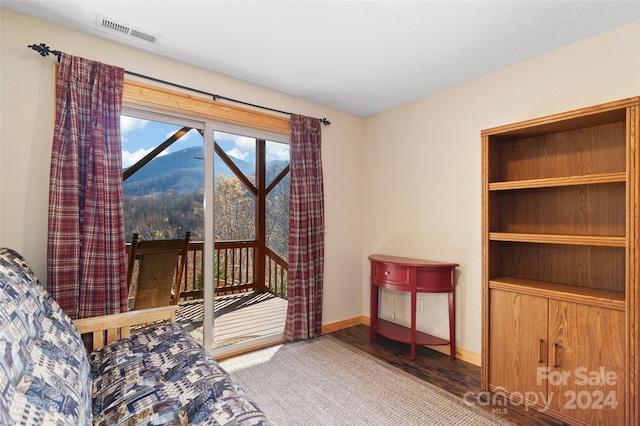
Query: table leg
[
  {"x": 373, "y": 312},
  {"x": 413, "y": 324},
  {"x": 452, "y": 325}
]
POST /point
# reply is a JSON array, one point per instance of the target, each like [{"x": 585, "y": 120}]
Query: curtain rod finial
[
  {"x": 45, "y": 50},
  {"x": 325, "y": 121}
]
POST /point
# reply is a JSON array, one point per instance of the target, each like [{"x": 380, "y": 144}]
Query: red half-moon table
[{"x": 414, "y": 276}]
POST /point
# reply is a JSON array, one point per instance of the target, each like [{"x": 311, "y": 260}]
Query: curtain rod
[{"x": 45, "y": 51}]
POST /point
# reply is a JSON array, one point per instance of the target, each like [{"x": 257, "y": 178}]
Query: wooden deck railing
[
  {"x": 233, "y": 270},
  {"x": 275, "y": 274},
  {"x": 192, "y": 284}
]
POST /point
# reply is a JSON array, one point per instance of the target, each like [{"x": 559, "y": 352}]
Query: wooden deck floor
[{"x": 237, "y": 317}]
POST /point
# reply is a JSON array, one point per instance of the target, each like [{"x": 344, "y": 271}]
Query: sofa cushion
[
  {"x": 44, "y": 370},
  {"x": 161, "y": 375}
]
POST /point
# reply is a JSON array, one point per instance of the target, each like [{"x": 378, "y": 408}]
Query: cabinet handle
[
  {"x": 555, "y": 355},
  {"x": 541, "y": 351},
  {"x": 386, "y": 272}
]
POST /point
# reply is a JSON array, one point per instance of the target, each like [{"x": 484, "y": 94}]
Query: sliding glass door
[{"x": 228, "y": 187}]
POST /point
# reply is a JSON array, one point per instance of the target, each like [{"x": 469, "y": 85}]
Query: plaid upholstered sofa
[{"x": 157, "y": 376}]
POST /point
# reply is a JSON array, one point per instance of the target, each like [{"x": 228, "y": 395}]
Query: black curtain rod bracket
[{"x": 45, "y": 51}]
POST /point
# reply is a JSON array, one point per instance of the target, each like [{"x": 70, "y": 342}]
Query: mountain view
[
  {"x": 181, "y": 171},
  {"x": 165, "y": 199}
]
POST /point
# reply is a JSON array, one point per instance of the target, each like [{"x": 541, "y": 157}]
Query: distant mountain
[
  {"x": 172, "y": 181},
  {"x": 273, "y": 168},
  {"x": 180, "y": 171}
]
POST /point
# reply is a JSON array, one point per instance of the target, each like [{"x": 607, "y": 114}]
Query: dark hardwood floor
[{"x": 456, "y": 377}]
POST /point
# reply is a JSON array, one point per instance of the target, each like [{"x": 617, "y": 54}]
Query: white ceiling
[{"x": 361, "y": 57}]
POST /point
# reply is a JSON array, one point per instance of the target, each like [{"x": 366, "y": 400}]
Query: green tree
[
  {"x": 165, "y": 216},
  {"x": 234, "y": 210},
  {"x": 278, "y": 218}
]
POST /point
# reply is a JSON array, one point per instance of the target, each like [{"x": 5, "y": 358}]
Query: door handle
[{"x": 555, "y": 354}]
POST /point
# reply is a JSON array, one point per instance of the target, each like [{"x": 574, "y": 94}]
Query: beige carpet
[{"x": 327, "y": 382}]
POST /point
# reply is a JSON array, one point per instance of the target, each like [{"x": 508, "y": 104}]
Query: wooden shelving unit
[{"x": 560, "y": 260}]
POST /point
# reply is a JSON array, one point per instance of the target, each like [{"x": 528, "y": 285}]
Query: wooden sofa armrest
[{"x": 122, "y": 322}]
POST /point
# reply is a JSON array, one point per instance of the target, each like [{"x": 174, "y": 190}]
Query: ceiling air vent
[{"x": 124, "y": 30}]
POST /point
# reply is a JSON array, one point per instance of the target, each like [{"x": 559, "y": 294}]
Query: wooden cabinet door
[
  {"x": 586, "y": 363},
  {"x": 518, "y": 330}
]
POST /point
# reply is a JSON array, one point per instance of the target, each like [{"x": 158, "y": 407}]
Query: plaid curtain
[
  {"x": 306, "y": 230},
  {"x": 86, "y": 267}
]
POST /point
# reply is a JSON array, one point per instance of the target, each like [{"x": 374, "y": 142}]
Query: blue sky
[{"x": 140, "y": 136}]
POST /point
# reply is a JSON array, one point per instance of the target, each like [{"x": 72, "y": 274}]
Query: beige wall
[
  {"x": 422, "y": 161},
  {"x": 404, "y": 182},
  {"x": 26, "y": 128}
]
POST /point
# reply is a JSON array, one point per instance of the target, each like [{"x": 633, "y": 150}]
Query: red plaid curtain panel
[
  {"x": 306, "y": 230},
  {"x": 86, "y": 267}
]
